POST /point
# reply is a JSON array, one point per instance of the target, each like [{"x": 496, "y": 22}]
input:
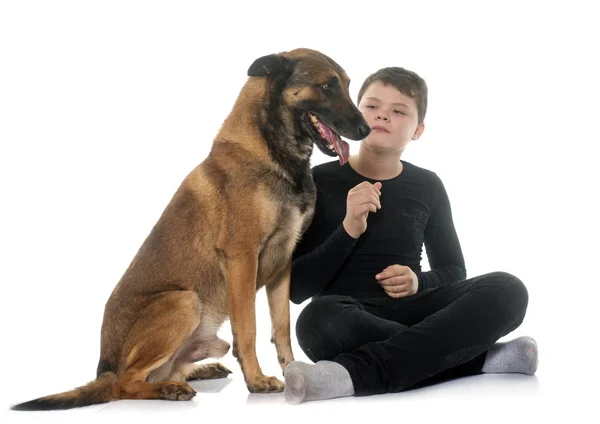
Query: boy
[{"x": 377, "y": 323}]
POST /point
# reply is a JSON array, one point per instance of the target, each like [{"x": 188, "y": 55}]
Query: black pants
[{"x": 390, "y": 345}]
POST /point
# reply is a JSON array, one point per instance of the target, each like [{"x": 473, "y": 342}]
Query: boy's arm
[
  {"x": 442, "y": 245},
  {"x": 317, "y": 258}
]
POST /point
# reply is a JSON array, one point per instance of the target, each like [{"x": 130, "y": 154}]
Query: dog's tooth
[{"x": 313, "y": 118}]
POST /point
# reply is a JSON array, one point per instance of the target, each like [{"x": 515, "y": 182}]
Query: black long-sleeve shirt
[{"x": 415, "y": 212}]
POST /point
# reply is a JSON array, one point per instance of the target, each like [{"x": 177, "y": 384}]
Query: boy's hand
[
  {"x": 398, "y": 281},
  {"x": 362, "y": 199}
]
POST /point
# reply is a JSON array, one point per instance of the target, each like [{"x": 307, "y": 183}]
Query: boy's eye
[
  {"x": 370, "y": 107},
  {"x": 399, "y": 111}
]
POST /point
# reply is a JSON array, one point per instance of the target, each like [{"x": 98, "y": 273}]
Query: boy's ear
[{"x": 418, "y": 131}]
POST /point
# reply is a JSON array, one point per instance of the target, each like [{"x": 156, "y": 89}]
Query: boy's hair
[{"x": 405, "y": 81}]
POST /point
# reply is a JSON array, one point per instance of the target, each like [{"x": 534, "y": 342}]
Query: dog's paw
[
  {"x": 265, "y": 385},
  {"x": 177, "y": 391},
  {"x": 218, "y": 370},
  {"x": 209, "y": 371}
]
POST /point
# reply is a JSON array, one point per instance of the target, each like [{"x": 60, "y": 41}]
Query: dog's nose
[{"x": 364, "y": 130}]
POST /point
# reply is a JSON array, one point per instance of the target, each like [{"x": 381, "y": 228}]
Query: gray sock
[
  {"x": 517, "y": 356},
  {"x": 323, "y": 380}
]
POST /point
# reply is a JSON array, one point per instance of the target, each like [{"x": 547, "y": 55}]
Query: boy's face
[{"x": 392, "y": 115}]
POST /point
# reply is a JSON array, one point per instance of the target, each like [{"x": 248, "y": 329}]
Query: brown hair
[{"x": 405, "y": 81}]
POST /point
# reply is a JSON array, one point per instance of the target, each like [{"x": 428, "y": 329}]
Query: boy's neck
[{"x": 376, "y": 166}]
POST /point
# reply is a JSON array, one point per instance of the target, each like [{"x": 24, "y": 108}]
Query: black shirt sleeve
[
  {"x": 443, "y": 248},
  {"x": 317, "y": 258}
]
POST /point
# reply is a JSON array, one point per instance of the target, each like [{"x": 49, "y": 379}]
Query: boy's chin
[{"x": 377, "y": 144}]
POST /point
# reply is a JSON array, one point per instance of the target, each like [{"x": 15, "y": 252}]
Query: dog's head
[{"x": 309, "y": 97}]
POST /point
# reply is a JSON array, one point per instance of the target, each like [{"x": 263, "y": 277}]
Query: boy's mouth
[{"x": 379, "y": 128}]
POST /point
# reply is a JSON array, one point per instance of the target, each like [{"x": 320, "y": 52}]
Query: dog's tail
[{"x": 95, "y": 392}]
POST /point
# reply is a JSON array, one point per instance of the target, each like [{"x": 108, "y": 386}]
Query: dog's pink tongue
[{"x": 341, "y": 147}]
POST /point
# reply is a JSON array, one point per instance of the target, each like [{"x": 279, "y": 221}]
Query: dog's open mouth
[{"x": 335, "y": 143}]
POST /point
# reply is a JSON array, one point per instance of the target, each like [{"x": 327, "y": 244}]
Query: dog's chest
[{"x": 278, "y": 248}]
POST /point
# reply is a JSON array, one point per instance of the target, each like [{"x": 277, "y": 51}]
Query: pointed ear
[{"x": 271, "y": 65}]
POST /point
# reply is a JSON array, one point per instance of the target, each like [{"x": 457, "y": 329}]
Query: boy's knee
[
  {"x": 513, "y": 286},
  {"x": 510, "y": 291},
  {"x": 320, "y": 323}
]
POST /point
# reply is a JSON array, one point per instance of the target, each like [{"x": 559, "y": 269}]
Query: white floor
[
  {"x": 565, "y": 387},
  {"x": 487, "y": 398}
]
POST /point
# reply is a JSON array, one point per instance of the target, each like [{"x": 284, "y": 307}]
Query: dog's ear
[{"x": 271, "y": 65}]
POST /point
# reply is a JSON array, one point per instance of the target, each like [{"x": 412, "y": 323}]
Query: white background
[{"x": 106, "y": 106}]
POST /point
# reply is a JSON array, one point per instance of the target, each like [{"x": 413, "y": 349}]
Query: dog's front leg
[
  {"x": 278, "y": 295},
  {"x": 242, "y": 271}
]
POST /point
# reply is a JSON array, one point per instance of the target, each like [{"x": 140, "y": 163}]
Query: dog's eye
[{"x": 330, "y": 85}]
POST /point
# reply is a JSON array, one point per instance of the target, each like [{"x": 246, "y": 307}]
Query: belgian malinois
[{"x": 230, "y": 228}]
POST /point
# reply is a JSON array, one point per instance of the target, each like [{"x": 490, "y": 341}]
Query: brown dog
[{"x": 230, "y": 229}]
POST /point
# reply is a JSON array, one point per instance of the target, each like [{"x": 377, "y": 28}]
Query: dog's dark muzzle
[
  {"x": 355, "y": 128},
  {"x": 363, "y": 131}
]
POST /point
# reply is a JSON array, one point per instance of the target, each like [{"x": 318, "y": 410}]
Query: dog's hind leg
[
  {"x": 165, "y": 326},
  {"x": 278, "y": 295},
  {"x": 189, "y": 372},
  {"x": 208, "y": 372},
  {"x": 209, "y": 346}
]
